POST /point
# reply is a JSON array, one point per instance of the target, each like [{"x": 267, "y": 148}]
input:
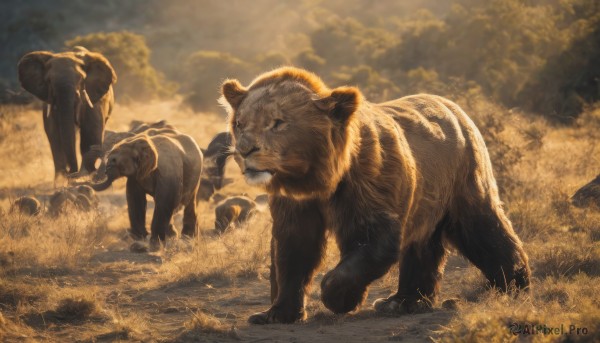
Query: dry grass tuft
[
  {"x": 202, "y": 324},
  {"x": 76, "y": 309},
  {"x": 18, "y": 293},
  {"x": 11, "y": 331},
  {"x": 131, "y": 326},
  {"x": 205, "y": 323},
  {"x": 46, "y": 243},
  {"x": 240, "y": 252},
  {"x": 554, "y": 303},
  {"x": 568, "y": 260}
]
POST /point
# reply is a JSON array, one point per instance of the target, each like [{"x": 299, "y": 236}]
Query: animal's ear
[
  {"x": 32, "y": 74},
  {"x": 100, "y": 75},
  {"x": 341, "y": 104},
  {"x": 233, "y": 92},
  {"x": 147, "y": 156}
]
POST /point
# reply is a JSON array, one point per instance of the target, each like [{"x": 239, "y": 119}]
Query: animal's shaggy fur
[{"x": 393, "y": 182}]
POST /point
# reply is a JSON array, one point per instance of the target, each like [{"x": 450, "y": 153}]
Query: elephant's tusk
[
  {"x": 46, "y": 110},
  {"x": 87, "y": 98}
]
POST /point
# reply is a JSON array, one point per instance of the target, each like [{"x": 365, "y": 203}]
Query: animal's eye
[{"x": 277, "y": 124}]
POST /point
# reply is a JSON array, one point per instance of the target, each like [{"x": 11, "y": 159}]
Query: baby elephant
[
  {"x": 111, "y": 138},
  {"x": 165, "y": 166},
  {"x": 233, "y": 211}
]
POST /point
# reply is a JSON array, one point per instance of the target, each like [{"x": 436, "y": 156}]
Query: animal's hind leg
[
  {"x": 190, "y": 218},
  {"x": 485, "y": 236},
  {"x": 421, "y": 268}
]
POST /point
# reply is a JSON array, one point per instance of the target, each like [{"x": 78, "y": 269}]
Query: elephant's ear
[
  {"x": 100, "y": 75},
  {"x": 32, "y": 74},
  {"x": 147, "y": 156}
]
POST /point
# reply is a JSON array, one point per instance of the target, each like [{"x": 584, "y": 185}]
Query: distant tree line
[{"x": 540, "y": 55}]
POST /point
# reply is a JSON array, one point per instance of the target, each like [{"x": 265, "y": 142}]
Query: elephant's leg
[
  {"x": 165, "y": 203},
  {"x": 91, "y": 133},
  {"x": 297, "y": 247},
  {"x": 67, "y": 129},
  {"x": 190, "y": 218},
  {"x": 136, "y": 207},
  {"x": 60, "y": 162}
]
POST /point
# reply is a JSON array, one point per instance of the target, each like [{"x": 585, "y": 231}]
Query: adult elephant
[{"x": 76, "y": 88}]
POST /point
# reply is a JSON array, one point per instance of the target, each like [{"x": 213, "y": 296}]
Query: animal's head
[
  {"x": 290, "y": 132},
  {"x": 134, "y": 157},
  {"x": 68, "y": 78}
]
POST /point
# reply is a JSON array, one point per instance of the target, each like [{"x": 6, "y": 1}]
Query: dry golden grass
[{"x": 73, "y": 277}]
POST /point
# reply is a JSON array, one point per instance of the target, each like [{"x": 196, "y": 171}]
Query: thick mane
[{"x": 306, "y": 78}]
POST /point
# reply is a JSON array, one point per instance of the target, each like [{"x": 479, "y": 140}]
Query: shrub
[{"x": 204, "y": 71}]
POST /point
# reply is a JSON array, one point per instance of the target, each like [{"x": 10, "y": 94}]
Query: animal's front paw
[
  {"x": 277, "y": 315},
  {"x": 340, "y": 291},
  {"x": 397, "y": 305}
]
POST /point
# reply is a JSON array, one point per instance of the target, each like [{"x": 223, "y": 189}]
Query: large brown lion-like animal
[
  {"x": 393, "y": 182},
  {"x": 165, "y": 166}
]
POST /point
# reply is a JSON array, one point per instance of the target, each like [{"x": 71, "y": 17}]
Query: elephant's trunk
[
  {"x": 88, "y": 159},
  {"x": 111, "y": 175},
  {"x": 67, "y": 107}
]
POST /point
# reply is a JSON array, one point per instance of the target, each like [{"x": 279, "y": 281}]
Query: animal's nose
[{"x": 246, "y": 146}]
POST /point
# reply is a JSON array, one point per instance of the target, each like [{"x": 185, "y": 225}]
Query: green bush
[
  {"x": 569, "y": 80},
  {"x": 130, "y": 57},
  {"x": 347, "y": 42},
  {"x": 204, "y": 71}
]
